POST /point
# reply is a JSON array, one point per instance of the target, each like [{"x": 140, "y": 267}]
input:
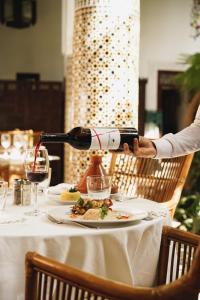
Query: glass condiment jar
[
  {"x": 22, "y": 192},
  {"x": 95, "y": 168}
]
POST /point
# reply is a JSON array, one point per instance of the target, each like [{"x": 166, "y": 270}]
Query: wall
[
  {"x": 35, "y": 49},
  {"x": 165, "y": 34}
]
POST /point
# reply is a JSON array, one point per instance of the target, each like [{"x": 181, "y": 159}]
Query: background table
[{"x": 127, "y": 253}]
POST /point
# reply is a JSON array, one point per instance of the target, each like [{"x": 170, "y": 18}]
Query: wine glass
[
  {"x": 36, "y": 166},
  {"x": 99, "y": 186},
  {"x": 19, "y": 140},
  {"x": 6, "y": 141},
  {"x": 43, "y": 186},
  {"x": 3, "y": 195}
]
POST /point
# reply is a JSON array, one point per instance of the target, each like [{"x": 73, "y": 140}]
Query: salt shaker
[{"x": 22, "y": 192}]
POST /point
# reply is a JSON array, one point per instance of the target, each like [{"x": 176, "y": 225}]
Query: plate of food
[
  {"x": 95, "y": 212},
  {"x": 64, "y": 194}
]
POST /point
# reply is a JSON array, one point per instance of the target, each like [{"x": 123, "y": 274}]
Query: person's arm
[
  {"x": 170, "y": 145},
  {"x": 184, "y": 142}
]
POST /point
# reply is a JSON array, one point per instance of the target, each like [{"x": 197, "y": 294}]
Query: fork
[{"x": 70, "y": 222}]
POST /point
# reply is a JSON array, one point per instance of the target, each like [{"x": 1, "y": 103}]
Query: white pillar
[{"x": 102, "y": 84}]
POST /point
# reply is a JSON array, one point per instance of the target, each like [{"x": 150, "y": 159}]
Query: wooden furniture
[
  {"x": 38, "y": 105},
  {"x": 4, "y": 170},
  {"x": 157, "y": 180},
  {"x": 49, "y": 279},
  {"x": 11, "y": 159}
]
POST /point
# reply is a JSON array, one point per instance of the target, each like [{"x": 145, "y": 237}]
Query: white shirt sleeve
[{"x": 184, "y": 142}]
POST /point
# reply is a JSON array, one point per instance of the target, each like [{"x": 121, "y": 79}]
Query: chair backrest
[
  {"x": 158, "y": 180},
  {"x": 49, "y": 279},
  {"x": 176, "y": 254}
]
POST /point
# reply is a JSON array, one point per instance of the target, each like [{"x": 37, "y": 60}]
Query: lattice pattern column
[{"x": 103, "y": 90}]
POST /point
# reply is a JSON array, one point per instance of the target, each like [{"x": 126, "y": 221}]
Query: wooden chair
[
  {"x": 49, "y": 279},
  {"x": 158, "y": 180}
]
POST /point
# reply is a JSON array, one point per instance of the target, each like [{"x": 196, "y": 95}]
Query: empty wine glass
[
  {"x": 37, "y": 168},
  {"x": 3, "y": 195},
  {"x": 19, "y": 140},
  {"x": 5, "y": 141}
]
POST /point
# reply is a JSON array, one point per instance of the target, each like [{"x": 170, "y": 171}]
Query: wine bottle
[{"x": 97, "y": 138}]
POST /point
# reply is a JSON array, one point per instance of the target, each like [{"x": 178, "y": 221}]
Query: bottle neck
[{"x": 54, "y": 137}]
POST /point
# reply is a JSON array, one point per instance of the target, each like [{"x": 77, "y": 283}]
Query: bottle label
[{"x": 105, "y": 138}]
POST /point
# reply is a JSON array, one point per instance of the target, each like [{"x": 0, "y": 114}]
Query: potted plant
[
  {"x": 188, "y": 210},
  {"x": 190, "y": 78},
  {"x": 188, "y": 213}
]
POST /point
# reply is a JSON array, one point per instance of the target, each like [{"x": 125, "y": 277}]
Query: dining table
[{"x": 127, "y": 252}]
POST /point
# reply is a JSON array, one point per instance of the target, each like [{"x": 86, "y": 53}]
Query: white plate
[
  {"x": 63, "y": 215},
  {"x": 59, "y": 188}
]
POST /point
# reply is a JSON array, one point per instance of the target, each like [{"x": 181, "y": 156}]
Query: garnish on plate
[
  {"x": 122, "y": 216},
  {"x": 104, "y": 211},
  {"x": 73, "y": 190}
]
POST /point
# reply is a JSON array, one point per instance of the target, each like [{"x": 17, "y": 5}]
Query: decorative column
[{"x": 102, "y": 89}]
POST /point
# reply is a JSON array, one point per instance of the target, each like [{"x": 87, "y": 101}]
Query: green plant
[
  {"x": 193, "y": 181},
  {"x": 188, "y": 210},
  {"x": 190, "y": 78},
  {"x": 188, "y": 213}
]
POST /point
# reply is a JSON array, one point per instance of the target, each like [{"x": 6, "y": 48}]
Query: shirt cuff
[{"x": 163, "y": 147}]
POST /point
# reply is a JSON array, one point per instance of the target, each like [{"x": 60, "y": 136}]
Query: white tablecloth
[{"x": 128, "y": 254}]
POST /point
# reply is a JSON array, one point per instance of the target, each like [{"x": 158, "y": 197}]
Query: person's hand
[{"x": 142, "y": 148}]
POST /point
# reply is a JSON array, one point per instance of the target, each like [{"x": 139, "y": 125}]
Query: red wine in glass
[
  {"x": 37, "y": 147},
  {"x": 37, "y": 176},
  {"x": 37, "y": 169}
]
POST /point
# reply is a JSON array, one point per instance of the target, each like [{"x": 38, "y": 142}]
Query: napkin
[{"x": 59, "y": 188}]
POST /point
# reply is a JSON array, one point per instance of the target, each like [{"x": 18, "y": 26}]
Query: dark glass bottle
[{"x": 97, "y": 138}]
